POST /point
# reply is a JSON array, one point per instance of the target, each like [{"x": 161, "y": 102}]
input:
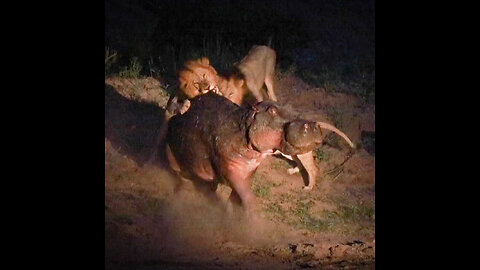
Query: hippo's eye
[{"x": 272, "y": 110}]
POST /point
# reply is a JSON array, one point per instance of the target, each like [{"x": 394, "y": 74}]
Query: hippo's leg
[
  {"x": 208, "y": 189},
  {"x": 172, "y": 161},
  {"x": 234, "y": 202},
  {"x": 203, "y": 181},
  {"x": 238, "y": 174},
  {"x": 241, "y": 192}
]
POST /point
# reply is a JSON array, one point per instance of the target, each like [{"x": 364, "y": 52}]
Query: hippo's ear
[{"x": 272, "y": 110}]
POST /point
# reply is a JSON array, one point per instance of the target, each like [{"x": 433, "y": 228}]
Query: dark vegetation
[{"x": 330, "y": 44}]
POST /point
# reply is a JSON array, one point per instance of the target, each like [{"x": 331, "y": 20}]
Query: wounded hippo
[{"x": 219, "y": 140}]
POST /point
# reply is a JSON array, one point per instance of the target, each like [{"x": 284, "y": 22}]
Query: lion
[
  {"x": 197, "y": 77},
  {"x": 254, "y": 71},
  {"x": 258, "y": 69}
]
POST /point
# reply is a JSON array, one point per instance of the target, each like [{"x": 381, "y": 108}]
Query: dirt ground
[{"x": 147, "y": 226}]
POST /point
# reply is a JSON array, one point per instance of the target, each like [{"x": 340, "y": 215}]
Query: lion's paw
[
  {"x": 307, "y": 188},
  {"x": 293, "y": 170}
]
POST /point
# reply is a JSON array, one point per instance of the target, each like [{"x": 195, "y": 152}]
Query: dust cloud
[{"x": 190, "y": 226}]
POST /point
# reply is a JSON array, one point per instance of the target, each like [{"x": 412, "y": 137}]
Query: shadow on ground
[{"x": 131, "y": 126}]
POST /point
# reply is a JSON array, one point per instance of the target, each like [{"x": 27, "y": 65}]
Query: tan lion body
[{"x": 258, "y": 69}]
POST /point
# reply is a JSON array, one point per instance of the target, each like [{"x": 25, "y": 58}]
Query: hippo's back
[
  {"x": 191, "y": 135},
  {"x": 210, "y": 106},
  {"x": 206, "y": 112}
]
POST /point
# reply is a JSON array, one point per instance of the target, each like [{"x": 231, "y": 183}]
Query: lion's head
[{"x": 197, "y": 77}]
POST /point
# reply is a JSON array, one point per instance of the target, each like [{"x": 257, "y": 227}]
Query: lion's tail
[{"x": 334, "y": 129}]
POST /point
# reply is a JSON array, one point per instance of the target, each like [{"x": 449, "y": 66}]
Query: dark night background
[{"x": 328, "y": 40}]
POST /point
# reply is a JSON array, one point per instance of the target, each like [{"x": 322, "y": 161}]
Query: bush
[{"x": 133, "y": 70}]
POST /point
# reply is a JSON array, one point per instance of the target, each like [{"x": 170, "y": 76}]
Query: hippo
[{"x": 217, "y": 141}]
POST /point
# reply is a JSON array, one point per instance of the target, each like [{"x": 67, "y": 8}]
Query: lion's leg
[
  {"x": 291, "y": 170},
  {"x": 269, "y": 84},
  {"x": 269, "y": 77},
  {"x": 257, "y": 94},
  {"x": 185, "y": 106},
  {"x": 312, "y": 170}
]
